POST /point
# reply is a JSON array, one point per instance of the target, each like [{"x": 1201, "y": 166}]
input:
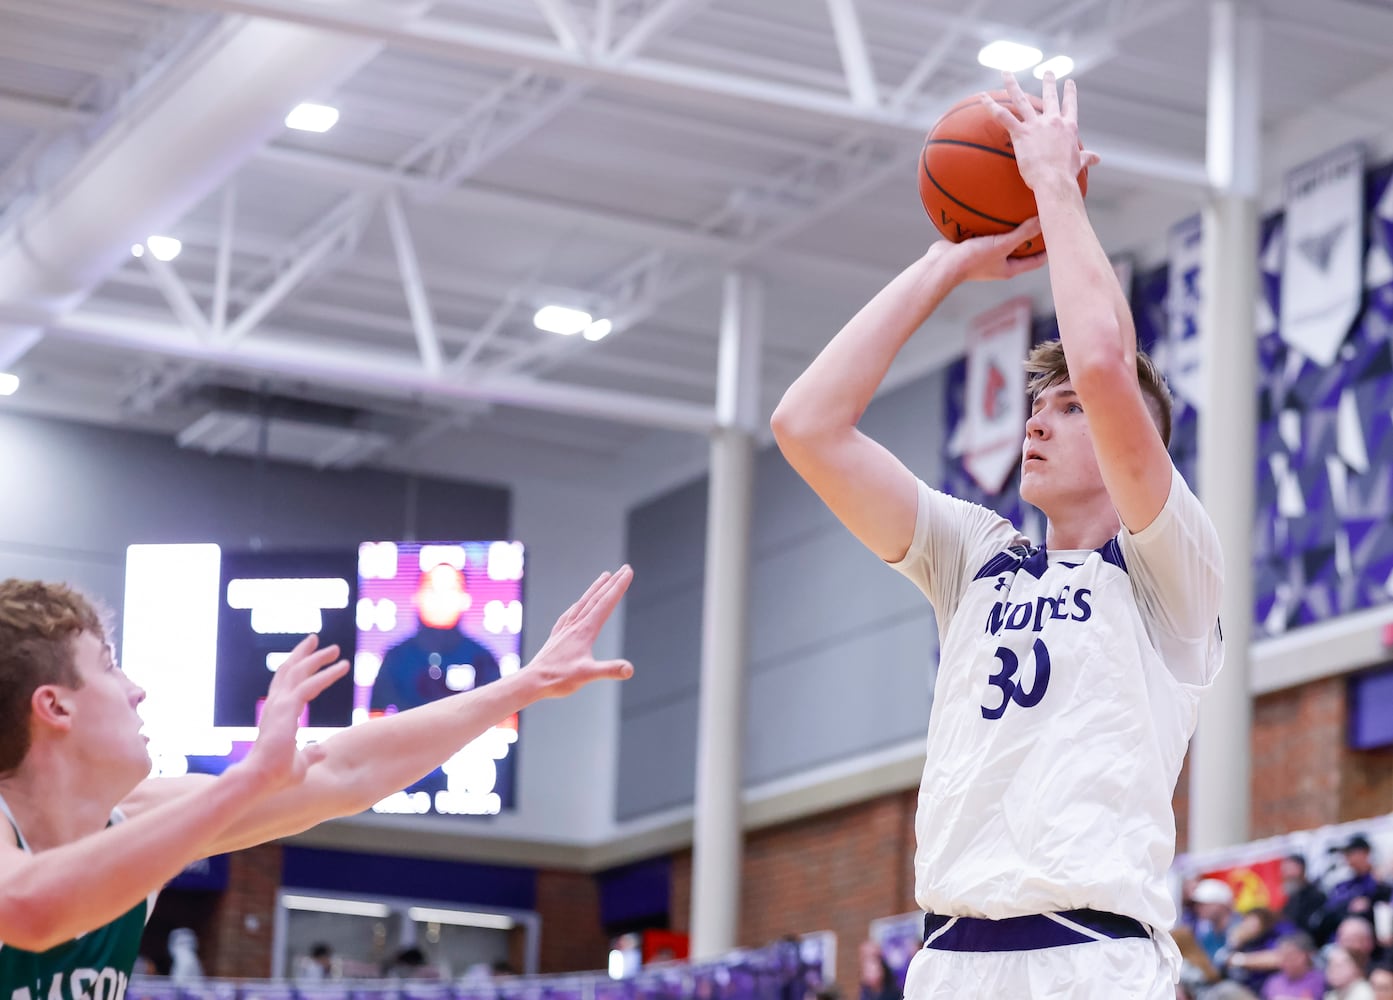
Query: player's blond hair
[
  {"x": 1046, "y": 367},
  {"x": 38, "y": 623}
]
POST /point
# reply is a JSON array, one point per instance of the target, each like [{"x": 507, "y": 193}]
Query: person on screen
[
  {"x": 87, "y": 837},
  {"x": 439, "y": 659}
]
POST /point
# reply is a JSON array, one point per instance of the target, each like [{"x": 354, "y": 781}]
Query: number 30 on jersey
[{"x": 1004, "y": 680}]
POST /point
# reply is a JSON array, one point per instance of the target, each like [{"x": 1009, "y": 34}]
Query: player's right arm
[
  {"x": 58, "y": 893},
  {"x": 865, "y": 486}
]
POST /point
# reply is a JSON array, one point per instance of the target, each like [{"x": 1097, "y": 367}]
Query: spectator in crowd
[
  {"x": 1297, "y": 978},
  {"x": 1199, "y": 978},
  {"x": 317, "y": 966},
  {"x": 1356, "y": 895},
  {"x": 184, "y": 966},
  {"x": 1345, "y": 977},
  {"x": 1213, "y": 915},
  {"x": 1250, "y": 957},
  {"x": 877, "y": 978},
  {"x": 1304, "y": 897},
  {"x": 1356, "y": 936},
  {"x": 1381, "y": 981}
]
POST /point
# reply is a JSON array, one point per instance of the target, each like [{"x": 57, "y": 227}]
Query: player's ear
[{"x": 52, "y": 706}]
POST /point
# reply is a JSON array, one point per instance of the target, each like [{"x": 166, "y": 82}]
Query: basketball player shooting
[
  {"x": 87, "y": 838},
  {"x": 1070, "y": 672}
]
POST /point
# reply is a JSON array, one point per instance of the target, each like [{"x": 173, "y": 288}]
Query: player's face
[
  {"x": 106, "y": 725},
  {"x": 1058, "y": 464}
]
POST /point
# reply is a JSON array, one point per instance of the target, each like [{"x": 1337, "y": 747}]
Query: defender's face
[
  {"x": 1058, "y": 463},
  {"x": 105, "y": 722}
]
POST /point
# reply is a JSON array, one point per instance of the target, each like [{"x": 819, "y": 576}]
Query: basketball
[{"x": 968, "y": 179}]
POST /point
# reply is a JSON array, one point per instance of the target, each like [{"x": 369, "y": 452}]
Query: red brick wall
[
  {"x": 572, "y": 938},
  {"x": 1298, "y": 750},
  {"x": 837, "y": 871},
  {"x": 242, "y": 920}
]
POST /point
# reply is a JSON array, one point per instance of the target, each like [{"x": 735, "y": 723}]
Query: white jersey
[{"x": 1067, "y": 691}]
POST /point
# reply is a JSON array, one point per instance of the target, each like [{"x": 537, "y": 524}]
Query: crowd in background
[{"x": 1322, "y": 944}]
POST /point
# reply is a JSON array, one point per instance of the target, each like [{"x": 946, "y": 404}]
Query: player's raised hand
[
  {"x": 305, "y": 674},
  {"x": 1046, "y": 142},
  {"x": 988, "y": 258},
  {"x": 566, "y": 662}
]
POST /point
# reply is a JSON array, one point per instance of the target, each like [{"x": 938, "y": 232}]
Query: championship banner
[
  {"x": 994, "y": 403},
  {"x": 1322, "y": 262},
  {"x": 1258, "y": 883}
]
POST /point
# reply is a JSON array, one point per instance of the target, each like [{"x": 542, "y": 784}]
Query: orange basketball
[{"x": 968, "y": 179}]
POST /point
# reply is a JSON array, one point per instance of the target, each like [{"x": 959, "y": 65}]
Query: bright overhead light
[
  {"x": 561, "y": 319},
  {"x": 321, "y": 904},
  {"x": 598, "y": 330},
  {"x": 164, "y": 248},
  {"x": 459, "y": 918},
  {"x": 1009, "y": 56},
  {"x": 312, "y": 118},
  {"x": 8, "y": 384},
  {"x": 137, "y": 249},
  {"x": 1060, "y": 66}
]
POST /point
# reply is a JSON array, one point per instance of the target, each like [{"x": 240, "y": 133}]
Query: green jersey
[{"x": 92, "y": 966}]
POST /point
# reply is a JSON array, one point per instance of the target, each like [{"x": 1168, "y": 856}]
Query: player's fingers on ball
[
  {"x": 1049, "y": 93},
  {"x": 1017, "y": 95},
  {"x": 1030, "y": 227},
  {"x": 1071, "y": 101},
  {"x": 999, "y": 112}
]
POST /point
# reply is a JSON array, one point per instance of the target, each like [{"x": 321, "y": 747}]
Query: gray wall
[
  {"x": 841, "y": 649},
  {"x": 77, "y": 495}
]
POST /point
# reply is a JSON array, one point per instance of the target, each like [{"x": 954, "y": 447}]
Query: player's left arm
[
  {"x": 1095, "y": 322},
  {"x": 365, "y": 763}
]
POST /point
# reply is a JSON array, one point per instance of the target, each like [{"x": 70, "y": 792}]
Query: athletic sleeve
[
  {"x": 1177, "y": 565},
  {"x": 953, "y": 539}
]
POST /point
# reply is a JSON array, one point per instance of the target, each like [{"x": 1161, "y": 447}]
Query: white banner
[
  {"x": 1178, "y": 353},
  {"x": 1322, "y": 266},
  {"x": 994, "y": 404}
]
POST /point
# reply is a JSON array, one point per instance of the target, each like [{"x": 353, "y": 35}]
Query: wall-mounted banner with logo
[
  {"x": 1322, "y": 272},
  {"x": 994, "y": 405}
]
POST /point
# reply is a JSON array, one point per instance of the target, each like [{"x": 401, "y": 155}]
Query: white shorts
[{"x": 1133, "y": 968}]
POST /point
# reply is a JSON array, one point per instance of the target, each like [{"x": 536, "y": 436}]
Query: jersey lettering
[{"x": 1035, "y": 614}]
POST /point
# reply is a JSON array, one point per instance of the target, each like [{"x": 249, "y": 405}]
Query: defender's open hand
[
  {"x": 567, "y": 661},
  {"x": 305, "y": 674}
]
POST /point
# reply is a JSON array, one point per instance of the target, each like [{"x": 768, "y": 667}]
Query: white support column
[
  {"x": 1220, "y": 763},
  {"x": 717, "y": 833},
  {"x": 417, "y": 300}
]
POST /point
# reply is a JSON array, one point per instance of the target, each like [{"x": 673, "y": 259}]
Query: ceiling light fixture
[
  {"x": 8, "y": 384},
  {"x": 1011, "y": 57},
  {"x": 561, "y": 319},
  {"x": 598, "y": 330},
  {"x": 312, "y": 118},
  {"x": 164, "y": 248},
  {"x": 1060, "y": 66}
]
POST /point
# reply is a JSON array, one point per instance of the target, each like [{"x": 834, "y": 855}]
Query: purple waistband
[{"x": 1028, "y": 933}]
